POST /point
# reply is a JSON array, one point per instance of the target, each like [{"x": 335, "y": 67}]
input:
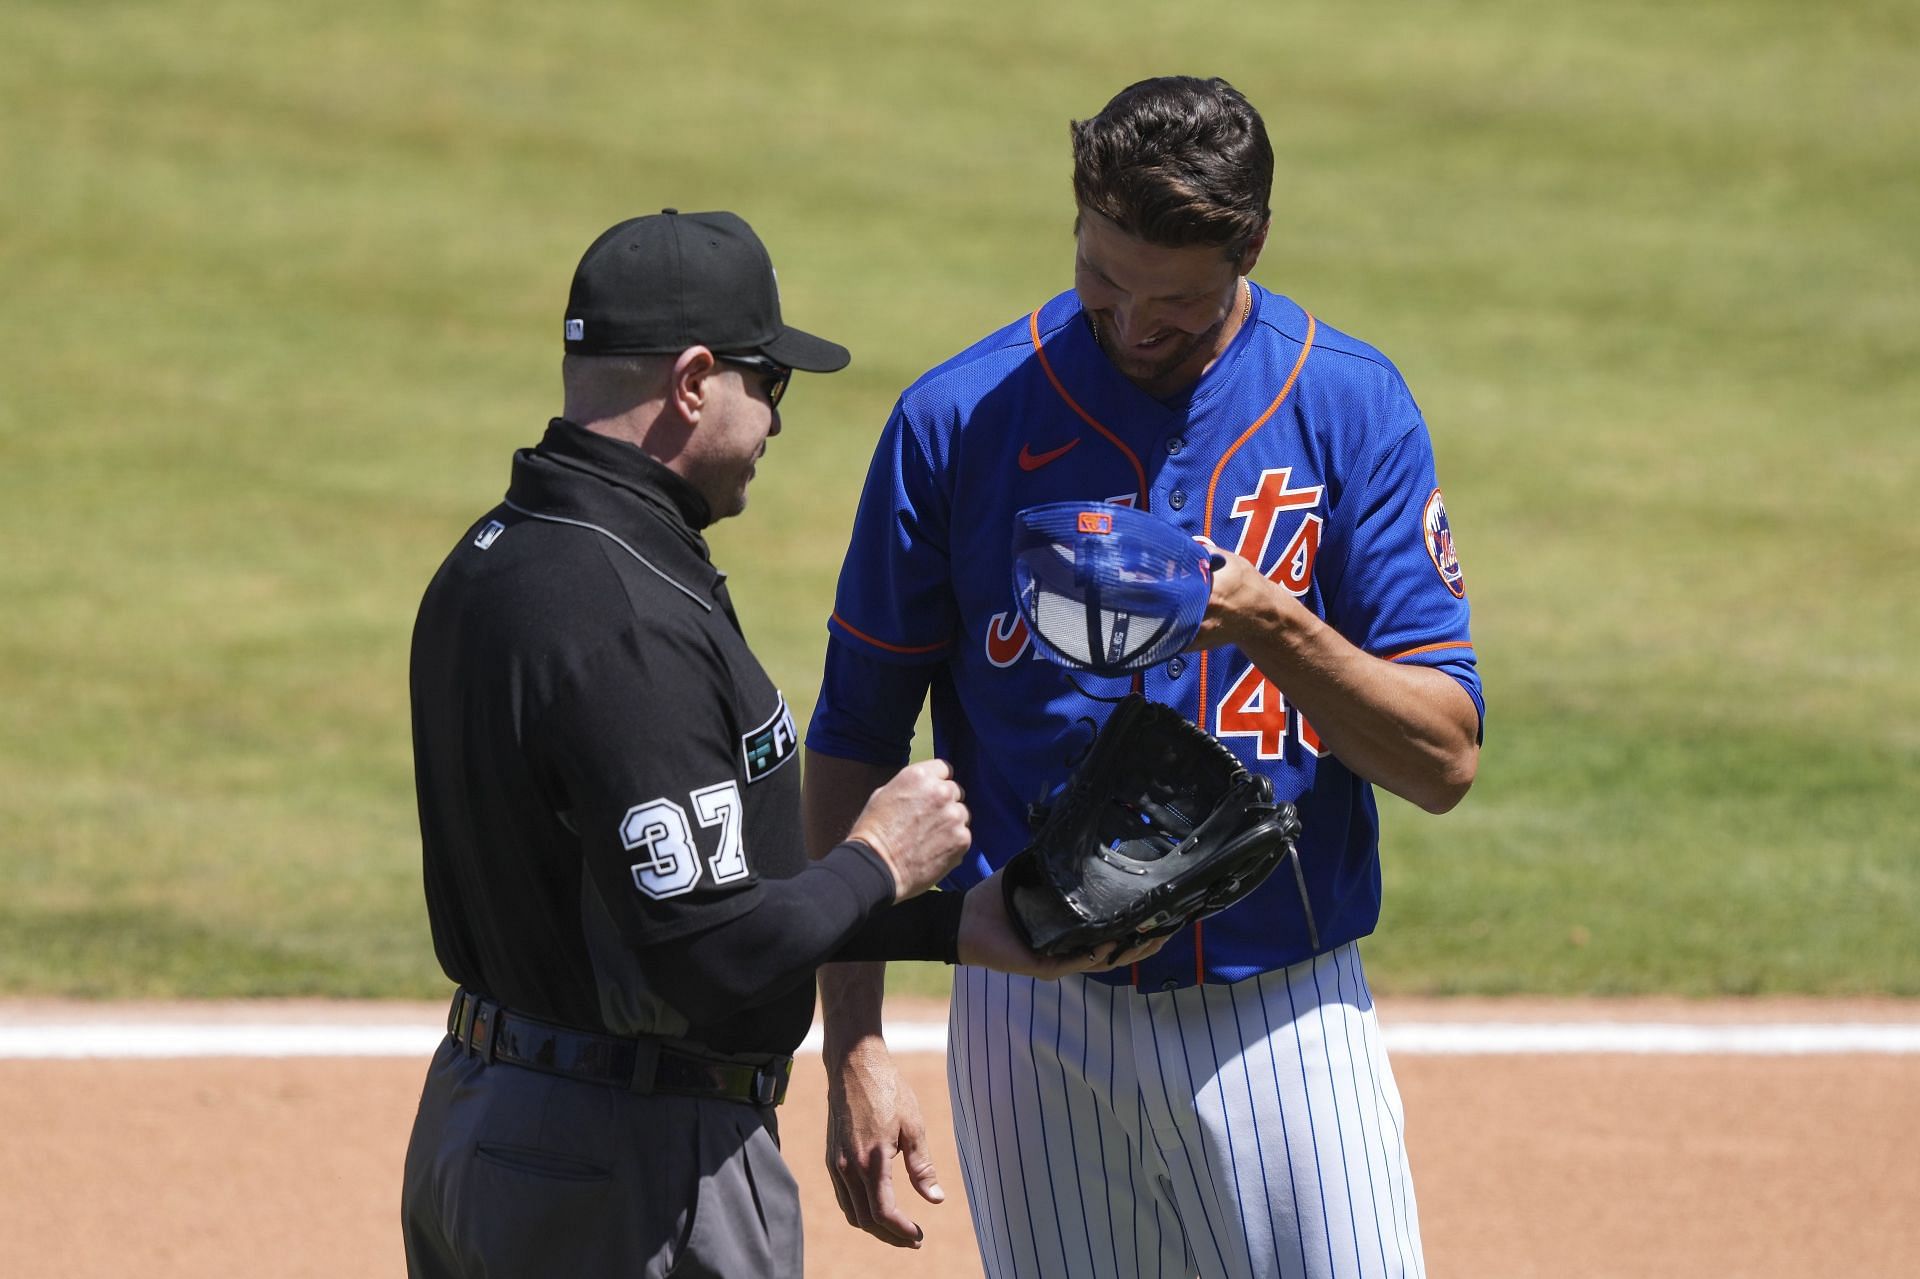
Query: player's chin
[{"x": 1152, "y": 366}]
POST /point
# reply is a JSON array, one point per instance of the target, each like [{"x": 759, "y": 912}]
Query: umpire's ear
[{"x": 688, "y": 384}]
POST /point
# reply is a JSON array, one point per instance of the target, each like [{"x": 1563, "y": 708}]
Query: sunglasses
[{"x": 777, "y": 375}]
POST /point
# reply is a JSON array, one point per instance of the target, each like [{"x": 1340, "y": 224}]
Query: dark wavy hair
[{"x": 1177, "y": 161}]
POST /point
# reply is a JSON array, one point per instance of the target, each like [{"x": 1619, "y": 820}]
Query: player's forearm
[
  {"x": 850, "y": 999},
  {"x": 832, "y": 793},
  {"x": 1410, "y": 729}
]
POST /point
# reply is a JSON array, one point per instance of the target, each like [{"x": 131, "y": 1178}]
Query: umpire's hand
[{"x": 917, "y": 823}]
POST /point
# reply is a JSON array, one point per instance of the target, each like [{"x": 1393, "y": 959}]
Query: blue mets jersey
[{"x": 1301, "y": 449}]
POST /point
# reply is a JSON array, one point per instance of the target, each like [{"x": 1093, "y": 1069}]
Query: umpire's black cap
[{"x": 658, "y": 284}]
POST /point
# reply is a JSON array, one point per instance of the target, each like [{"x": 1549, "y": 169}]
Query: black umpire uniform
[{"x": 609, "y": 808}]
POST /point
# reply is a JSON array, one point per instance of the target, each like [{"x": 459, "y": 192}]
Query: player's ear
[
  {"x": 688, "y": 384},
  {"x": 1252, "y": 253}
]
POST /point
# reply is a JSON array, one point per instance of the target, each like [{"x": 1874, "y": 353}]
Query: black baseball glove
[{"x": 1158, "y": 825}]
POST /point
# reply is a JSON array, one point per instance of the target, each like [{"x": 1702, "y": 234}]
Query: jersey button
[
  {"x": 1177, "y": 499},
  {"x": 1170, "y": 984},
  {"x": 1176, "y": 666},
  {"x": 1175, "y": 444}
]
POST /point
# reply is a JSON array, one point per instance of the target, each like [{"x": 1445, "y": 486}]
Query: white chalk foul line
[
  {"x": 1753, "y": 1039},
  {"x": 93, "y": 1040},
  {"x": 218, "y": 1039}
]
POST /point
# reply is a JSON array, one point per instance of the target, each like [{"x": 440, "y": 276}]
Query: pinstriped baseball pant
[{"x": 1240, "y": 1131}]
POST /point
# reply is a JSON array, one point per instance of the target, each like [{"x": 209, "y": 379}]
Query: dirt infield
[{"x": 1562, "y": 1164}]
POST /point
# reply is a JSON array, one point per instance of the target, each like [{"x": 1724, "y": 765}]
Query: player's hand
[
  {"x": 988, "y": 940},
  {"x": 917, "y": 823},
  {"x": 872, "y": 1115},
  {"x": 1243, "y": 601}
]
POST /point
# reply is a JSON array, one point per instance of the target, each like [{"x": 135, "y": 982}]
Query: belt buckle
[
  {"x": 465, "y": 1004},
  {"x": 770, "y": 1083},
  {"x": 484, "y": 1034},
  {"x": 646, "y": 1065}
]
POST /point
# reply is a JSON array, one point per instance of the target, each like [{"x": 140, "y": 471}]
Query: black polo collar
[{"x": 577, "y": 476}]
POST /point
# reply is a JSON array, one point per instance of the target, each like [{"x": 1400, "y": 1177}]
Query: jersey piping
[
  {"x": 1213, "y": 482},
  {"x": 615, "y": 538},
  {"x": 904, "y": 649},
  {"x": 1286, "y": 389},
  {"x": 1428, "y": 648},
  {"x": 1046, "y": 366}
]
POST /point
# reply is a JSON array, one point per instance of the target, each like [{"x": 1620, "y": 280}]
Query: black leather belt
[{"x": 645, "y": 1064}]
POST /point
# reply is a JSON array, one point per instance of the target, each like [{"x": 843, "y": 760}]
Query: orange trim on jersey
[
  {"x": 1140, "y": 476},
  {"x": 1427, "y": 648},
  {"x": 857, "y": 633},
  {"x": 1214, "y": 483},
  {"x": 1046, "y": 366}
]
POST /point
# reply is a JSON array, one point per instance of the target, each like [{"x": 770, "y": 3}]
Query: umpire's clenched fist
[{"x": 917, "y": 823}]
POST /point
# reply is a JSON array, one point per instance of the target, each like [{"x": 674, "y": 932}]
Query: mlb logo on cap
[{"x": 1106, "y": 588}]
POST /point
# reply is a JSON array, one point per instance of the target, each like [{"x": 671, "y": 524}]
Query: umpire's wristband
[{"x": 923, "y": 927}]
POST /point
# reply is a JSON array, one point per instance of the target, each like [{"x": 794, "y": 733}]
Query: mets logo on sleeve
[
  {"x": 1439, "y": 535},
  {"x": 770, "y": 745}
]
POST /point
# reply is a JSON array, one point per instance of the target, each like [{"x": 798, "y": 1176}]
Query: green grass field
[{"x": 283, "y": 287}]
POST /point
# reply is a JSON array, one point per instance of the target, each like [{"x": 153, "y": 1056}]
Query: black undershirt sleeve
[
  {"x": 839, "y": 907},
  {"x": 923, "y": 927}
]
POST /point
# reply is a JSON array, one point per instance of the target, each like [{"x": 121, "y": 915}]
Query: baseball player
[{"x": 1224, "y": 1107}]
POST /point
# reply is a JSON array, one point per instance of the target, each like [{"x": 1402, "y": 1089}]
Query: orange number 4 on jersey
[{"x": 1253, "y": 707}]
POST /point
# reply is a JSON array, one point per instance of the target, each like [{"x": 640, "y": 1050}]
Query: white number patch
[
  {"x": 659, "y": 830},
  {"x": 720, "y": 806}
]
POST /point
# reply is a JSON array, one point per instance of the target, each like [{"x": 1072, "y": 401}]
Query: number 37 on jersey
[{"x": 660, "y": 832}]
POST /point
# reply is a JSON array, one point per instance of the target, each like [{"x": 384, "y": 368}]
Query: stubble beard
[{"x": 1153, "y": 375}]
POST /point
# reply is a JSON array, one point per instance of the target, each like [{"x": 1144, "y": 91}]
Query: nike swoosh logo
[{"x": 1031, "y": 461}]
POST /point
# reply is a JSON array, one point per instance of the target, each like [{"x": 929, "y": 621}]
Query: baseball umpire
[
  {"x": 1225, "y": 1107},
  {"x": 609, "y": 795}
]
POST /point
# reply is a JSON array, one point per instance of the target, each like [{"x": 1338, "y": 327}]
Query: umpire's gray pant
[{"x": 515, "y": 1173}]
